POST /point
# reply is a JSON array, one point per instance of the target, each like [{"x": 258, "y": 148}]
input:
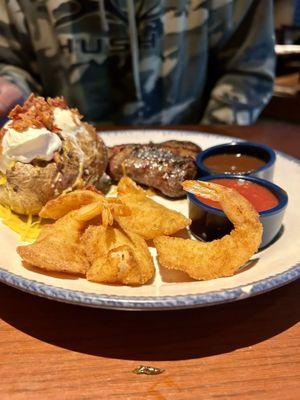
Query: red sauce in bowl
[{"x": 261, "y": 198}]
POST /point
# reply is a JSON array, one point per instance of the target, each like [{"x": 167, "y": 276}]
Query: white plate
[{"x": 275, "y": 266}]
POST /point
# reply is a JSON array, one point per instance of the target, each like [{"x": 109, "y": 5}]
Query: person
[{"x": 141, "y": 62}]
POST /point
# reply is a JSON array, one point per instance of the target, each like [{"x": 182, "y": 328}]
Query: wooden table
[{"x": 243, "y": 350}]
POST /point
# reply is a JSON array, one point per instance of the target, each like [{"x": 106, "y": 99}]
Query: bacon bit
[
  {"x": 37, "y": 112},
  {"x": 59, "y": 102},
  {"x": 23, "y": 109}
]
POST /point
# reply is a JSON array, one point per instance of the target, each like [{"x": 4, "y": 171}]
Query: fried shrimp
[{"x": 222, "y": 257}]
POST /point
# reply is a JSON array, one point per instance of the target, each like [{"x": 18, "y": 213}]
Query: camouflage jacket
[{"x": 150, "y": 62}]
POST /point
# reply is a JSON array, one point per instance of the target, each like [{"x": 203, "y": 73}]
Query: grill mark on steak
[{"x": 162, "y": 166}]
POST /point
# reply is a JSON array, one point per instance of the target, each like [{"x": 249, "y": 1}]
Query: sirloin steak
[{"x": 162, "y": 166}]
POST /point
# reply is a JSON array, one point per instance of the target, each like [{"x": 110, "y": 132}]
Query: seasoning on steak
[
  {"x": 181, "y": 148},
  {"x": 162, "y": 166}
]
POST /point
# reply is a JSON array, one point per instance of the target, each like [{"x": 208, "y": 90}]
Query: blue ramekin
[
  {"x": 209, "y": 223},
  {"x": 260, "y": 151}
]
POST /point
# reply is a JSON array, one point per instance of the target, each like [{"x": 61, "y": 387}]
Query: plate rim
[
  {"x": 148, "y": 303},
  {"x": 144, "y": 303}
]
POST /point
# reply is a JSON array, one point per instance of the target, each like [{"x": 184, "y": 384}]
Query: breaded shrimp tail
[{"x": 222, "y": 257}]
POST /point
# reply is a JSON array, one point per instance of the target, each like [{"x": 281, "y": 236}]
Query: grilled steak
[
  {"x": 162, "y": 166},
  {"x": 181, "y": 148}
]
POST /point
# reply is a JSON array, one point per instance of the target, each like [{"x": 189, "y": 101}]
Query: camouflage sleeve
[
  {"x": 245, "y": 65},
  {"x": 17, "y": 62}
]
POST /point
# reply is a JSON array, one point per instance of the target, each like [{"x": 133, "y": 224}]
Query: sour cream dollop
[
  {"x": 33, "y": 143},
  {"x": 68, "y": 122}
]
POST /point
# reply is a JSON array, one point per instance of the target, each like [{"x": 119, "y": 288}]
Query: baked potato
[{"x": 80, "y": 161}]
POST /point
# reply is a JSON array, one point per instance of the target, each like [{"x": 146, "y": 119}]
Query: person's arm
[
  {"x": 245, "y": 64},
  {"x": 16, "y": 57}
]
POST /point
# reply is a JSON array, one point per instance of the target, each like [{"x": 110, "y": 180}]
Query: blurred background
[
  {"x": 284, "y": 106},
  {"x": 285, "y": 103}
]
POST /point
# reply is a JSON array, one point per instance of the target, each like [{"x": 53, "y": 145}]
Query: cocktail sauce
[{"x": 261, "y": 198}]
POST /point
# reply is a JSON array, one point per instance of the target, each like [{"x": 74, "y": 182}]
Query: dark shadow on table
[{"x": 153, "y": 336}]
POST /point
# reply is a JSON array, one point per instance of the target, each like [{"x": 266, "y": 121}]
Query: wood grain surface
[{"x": 244, "y": 350}]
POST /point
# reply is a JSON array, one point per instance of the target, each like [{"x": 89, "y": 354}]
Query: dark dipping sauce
[
  {"x": 233, "y": 163},
  {"x": 261, "y": 198}
]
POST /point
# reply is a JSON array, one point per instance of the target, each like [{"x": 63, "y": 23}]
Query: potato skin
[
  {"x": 96, "y": 157},
  {"x": 30, "y": 186}
]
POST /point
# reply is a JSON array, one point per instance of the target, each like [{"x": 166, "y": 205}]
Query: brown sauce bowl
[{"x": 260, "y": 151}]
